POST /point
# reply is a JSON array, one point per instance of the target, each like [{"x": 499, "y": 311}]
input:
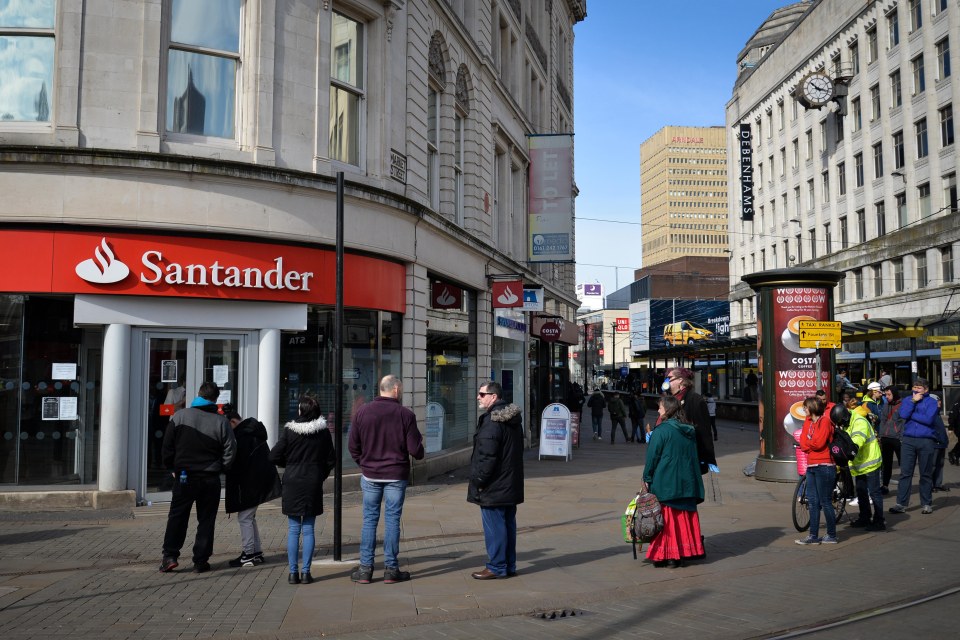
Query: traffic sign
[{"x": 819, "y": 334}]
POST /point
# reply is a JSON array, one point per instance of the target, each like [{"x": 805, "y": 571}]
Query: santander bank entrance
[{"x": 105, "y": 334}]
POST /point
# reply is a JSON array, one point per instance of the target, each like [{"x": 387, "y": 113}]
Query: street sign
[{"x": 820, "y": 334}]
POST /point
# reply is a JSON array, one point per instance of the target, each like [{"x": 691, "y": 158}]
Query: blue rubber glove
[{"x": 714, "y": 468}]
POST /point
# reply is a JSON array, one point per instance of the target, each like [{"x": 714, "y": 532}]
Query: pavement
[{"x": 89, "y": 574}]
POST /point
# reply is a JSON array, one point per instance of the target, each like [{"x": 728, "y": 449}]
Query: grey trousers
[{"x": 249, "y": 533}]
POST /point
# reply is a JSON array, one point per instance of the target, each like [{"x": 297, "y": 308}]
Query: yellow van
[{"x": 684, "y": 332}]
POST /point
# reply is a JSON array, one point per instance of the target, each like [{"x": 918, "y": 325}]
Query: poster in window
[
  {"x": 51, "y": 409},
  {"x": 168, "y": 371}
]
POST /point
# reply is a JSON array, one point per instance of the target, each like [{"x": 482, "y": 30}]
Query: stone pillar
[
  {"x": 115, "y": 408},
  {"x": 788, "y": 372},
  {"x": 268, "y": 383}
]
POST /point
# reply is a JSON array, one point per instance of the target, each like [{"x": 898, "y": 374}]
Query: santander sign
[{"x": 106, "y": 268}]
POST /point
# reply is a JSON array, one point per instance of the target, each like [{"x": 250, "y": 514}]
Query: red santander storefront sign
[{"x": 109, "y": 263}]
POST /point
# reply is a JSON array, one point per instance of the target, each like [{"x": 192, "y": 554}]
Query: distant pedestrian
[
  {"x": 885, "y": 379},
  {"x": 954, "y": 423},
  {"x": 842, "y": 382},
  {"x": 382, "y": 439},
  {"x": 618, "y": 416},
  {"x": 496, "y": 479},
  {"x": 712, "y": 412},
  {"x": 597, "y": 404},
  {"x": 198, "y": 445},
  {"x": 251, "y": 481},
  {"x": 941, "y": 447},
  {"x": 305, "y": 450},
  {"x": 637, "y": 411},
  {"x": 672, "y": 473},
  {"x": 815, "y": 439},
  {"x": 917, "y": 451},
  {"x": 890, "y": 431}
]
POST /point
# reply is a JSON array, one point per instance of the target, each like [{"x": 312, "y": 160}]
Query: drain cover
[{"x": 559, "y": 614}]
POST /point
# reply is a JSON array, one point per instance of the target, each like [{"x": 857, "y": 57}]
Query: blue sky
[{"x": 640, "y": 65}]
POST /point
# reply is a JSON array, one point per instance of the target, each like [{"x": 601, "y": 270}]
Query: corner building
[
  {"x": 168, "y": 178},
  {"x": 865, "y": 184}
]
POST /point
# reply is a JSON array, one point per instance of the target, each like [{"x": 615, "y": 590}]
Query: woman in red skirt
[{"x": 672, "y": 472}]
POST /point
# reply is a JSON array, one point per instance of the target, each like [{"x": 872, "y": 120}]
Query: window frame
[
  {"x": 946, "y": 125},
  {"x": 39, "y": 33},
  {"x": 357, "y": 91},
  {"x": 942, "y": 48},
  {"x": 922, "y": 138},
  {"x": 238, "y": 58}
]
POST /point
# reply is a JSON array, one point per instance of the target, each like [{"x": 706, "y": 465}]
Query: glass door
[{"x": 176, "y": 365}]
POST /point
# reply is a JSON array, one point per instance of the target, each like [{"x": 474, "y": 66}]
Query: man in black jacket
[
  {"x": 496, "y": 479},
  {"x": 198, "y": 446}
]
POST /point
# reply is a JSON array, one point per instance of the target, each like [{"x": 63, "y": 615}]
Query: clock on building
[{"x": 816, "y": 90}]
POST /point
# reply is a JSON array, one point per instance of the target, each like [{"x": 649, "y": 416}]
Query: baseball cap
[{"x": 874, "y": 386}]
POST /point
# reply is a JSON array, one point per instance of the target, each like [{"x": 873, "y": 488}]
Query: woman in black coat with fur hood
[{"x": 305, "y": 449}]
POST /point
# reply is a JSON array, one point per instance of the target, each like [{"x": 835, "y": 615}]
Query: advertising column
[{"x": 788, "y": 372}]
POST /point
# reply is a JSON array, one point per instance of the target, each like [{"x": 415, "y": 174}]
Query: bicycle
[{"x": 801, "y": 509}]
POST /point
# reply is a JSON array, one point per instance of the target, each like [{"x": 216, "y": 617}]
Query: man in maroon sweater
[{"x": 382, "y": 438}]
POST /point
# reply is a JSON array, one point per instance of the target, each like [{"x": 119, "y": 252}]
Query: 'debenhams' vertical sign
[{"x": 745, "y": 141}]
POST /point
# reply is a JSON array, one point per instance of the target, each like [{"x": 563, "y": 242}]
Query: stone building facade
[{"x": 168, "y": 171}]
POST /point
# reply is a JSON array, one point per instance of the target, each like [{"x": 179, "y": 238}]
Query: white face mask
[{"x": 666, "y": 385}]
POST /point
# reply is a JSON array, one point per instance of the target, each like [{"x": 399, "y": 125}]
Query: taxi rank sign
[{"x": 745, "y": 142}]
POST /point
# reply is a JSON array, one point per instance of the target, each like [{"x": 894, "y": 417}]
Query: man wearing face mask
[{"x": 679, "y": 384}]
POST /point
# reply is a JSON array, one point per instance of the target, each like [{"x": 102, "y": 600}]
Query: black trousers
[
  {"x": 205, "y": 492},
  {"x": 888, "y": 448},
  {"x": 618, "y": 420}
]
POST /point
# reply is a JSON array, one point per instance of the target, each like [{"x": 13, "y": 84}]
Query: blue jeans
[
  {"x": 914, "y": 451},
  {"x": 391, "y": 494},
  {"x": 500, "y": 536},
  {"x": 868, "y": 490},
  {"x": 295, "y": 526},
  {"x": 597, "y": 425},
  {"x": 820, "y": 482}
]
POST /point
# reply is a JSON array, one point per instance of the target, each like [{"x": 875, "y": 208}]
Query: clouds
[{"x": 29, "y": 14}]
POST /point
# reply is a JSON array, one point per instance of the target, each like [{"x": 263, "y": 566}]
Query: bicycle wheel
[
  {"x": 839, "y": 501},
  {"x": 801, "y": 512}
]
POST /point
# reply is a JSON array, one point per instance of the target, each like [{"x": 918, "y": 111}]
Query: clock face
[{"x": 817, "y": 88}]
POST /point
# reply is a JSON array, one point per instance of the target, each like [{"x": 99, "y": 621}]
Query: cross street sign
[{"x": 820, "y": 334}]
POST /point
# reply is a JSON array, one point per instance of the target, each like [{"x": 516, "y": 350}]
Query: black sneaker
[
  {"x": 168, "y": 564},
  {"x": 362, "y": 575},
  {"x": 393, "y": 574},
  {"x": 243, "y": 560},
  {"x": 201, "y": 567},
  {"x": 876, "y": 526},
  {"x": 860, "y": 523}
]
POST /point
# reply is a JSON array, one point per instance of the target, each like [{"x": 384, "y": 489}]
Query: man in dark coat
[
  {"x": 251, "y": 481},
  {"x": 496, "y": 479},
  {"x": 383, "y": 436},
  {"x": 198, "y": 445},
  {"x": 597, "y": 403},
  {"x": 695, "y": 408}
]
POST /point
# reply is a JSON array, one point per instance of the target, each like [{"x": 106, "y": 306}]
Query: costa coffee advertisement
[
  {"x": 104, "y": 262},
  {"x": 795, "y": 367}
]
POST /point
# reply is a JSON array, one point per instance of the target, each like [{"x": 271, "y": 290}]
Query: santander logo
[
  {"x": 508, "y": 297},
  {"x": 104, "y": 267},
  {"x": 445, "y": 299}
]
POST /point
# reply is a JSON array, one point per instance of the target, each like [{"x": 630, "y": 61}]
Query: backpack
[
  {"x": 842, "y": 447},
  {"x": 643, "y": 520}
]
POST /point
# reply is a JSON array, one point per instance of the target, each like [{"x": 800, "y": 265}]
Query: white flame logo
[
  {"x": 104, "y": 267},
  {"x": 508, "y": 296},
  {"x": 445, "y": 299}
]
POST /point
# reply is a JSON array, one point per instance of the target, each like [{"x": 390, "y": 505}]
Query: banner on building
[
  {"x": 551, "y": 198},
  {"x": 745, "y": 142}
]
